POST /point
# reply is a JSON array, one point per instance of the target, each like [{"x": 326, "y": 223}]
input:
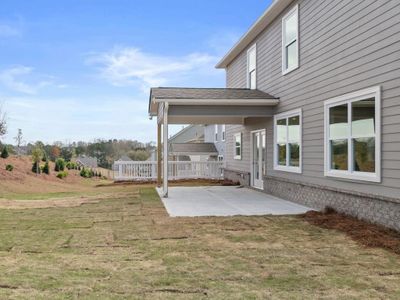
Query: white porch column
[{"x": 165, "y": 154}]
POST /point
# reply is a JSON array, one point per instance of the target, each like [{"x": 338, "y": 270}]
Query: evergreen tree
[
  {"x": 46, "y": 168},
  {"x": 36, "y": 167},
  {"x": 4, "y": 153}
]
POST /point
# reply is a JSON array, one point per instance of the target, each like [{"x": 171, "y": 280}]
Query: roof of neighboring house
[
  {"x": 87, "y": 161},
  {"x": 265, "y": 20},
  {"x": 188, "y": 134},
  {"x": 208, "y": 96},
  {"x": 193, "y": 149},
  {"x": 124, "y": 158}
]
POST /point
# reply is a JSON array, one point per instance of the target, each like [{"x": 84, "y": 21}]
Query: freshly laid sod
[{"x": 123, "y": 245}]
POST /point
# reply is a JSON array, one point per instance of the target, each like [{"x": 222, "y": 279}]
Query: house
[
  {"x": 311, "y": 107},
  {"x": 196, "y": 143},
  {"x": 124, "y": 158},
  {"x": 86, "y": 161}
]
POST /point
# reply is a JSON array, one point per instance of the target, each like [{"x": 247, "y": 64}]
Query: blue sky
[{"x": 81, "y": 69}]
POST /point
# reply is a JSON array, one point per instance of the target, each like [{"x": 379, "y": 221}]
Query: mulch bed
[{"x": 364, "y": 233}]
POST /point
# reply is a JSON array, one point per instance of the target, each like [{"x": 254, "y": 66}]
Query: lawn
[{"x": 122, "y": 244}]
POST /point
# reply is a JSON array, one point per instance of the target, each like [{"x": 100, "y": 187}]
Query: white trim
[
  {"x": 215, "y": 133},
  {"x": 223, "y": 133},
  {"x": 348, "y": 99},
  {"x": 285, "y": 69},
  {"x": 249, "y": 51},
  {"x": 214, "y": 102},
  {"x": 252, "y": 157},
  {"x": 165, "y": 154},
  {"x": 287, "y": 115},
  {"x": 237, "y": 157}
]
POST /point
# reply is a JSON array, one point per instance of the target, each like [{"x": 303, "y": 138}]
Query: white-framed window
[
  {"x": 237, "y": 146},
  {"x": 252, "y": 68},
  {"x": 216, "y": 133},
  {"x": 290, "y": 40},
  {"x": 223, "y": 133},
  {"x": 353, "y": 135},
  {"x": 287, "y": 141},
  {"x": 220, "y": 158}
]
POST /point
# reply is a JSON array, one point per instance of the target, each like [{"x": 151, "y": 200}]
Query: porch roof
[{"x": 208, "y": 97}]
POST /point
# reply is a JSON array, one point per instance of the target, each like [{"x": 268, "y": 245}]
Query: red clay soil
[
  {"x": 23, "y": 171},
  {"x": 364, "y": 233}
]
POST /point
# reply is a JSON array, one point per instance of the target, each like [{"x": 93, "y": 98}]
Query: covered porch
[{"x": 202, "y": 106}]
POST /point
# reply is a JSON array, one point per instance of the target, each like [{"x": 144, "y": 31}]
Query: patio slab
[{"x": 226, "y": 201}]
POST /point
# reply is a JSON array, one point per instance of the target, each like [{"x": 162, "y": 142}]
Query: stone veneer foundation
[{"x": 380, "y": 210}]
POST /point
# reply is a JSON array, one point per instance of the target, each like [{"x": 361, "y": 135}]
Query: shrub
[
  {"x": 46, "y": 168},
  {"x": 60, "y": 165},
  {"x": 9, "y": 168},
  {"x": 4, "y": 153},
  {"x": 86, "y": 173},
  {"x": 71, "y": 165},
  {"x": 36, "y": 168},
  {"x": 62, "y": 174}
]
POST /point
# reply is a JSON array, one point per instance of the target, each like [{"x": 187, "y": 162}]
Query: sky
[{"x": 82, "y": 69}]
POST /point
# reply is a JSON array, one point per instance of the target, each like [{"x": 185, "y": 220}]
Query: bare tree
[
  {"x": 19, "y": 141},
  {"x": 3, "y": 122}
]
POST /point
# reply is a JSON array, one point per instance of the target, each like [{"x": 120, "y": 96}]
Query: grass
[{"x": 125, "y": 246}]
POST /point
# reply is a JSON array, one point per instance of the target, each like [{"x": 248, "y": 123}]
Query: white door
[{"x": 258, "y": 159}]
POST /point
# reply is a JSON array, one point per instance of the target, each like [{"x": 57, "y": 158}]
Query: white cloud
[
  {"x": 9, "y": 31},
  {"x": 132, "y": 66},
  {"x": 15, "y": 79}
]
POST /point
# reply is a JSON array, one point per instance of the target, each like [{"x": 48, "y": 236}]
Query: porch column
[
  {"x": 165, "y": 156},
  {"x": 159, "y": 145}
]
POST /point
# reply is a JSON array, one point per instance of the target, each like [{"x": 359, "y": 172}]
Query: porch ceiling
[{"x": 211, "y": 106}]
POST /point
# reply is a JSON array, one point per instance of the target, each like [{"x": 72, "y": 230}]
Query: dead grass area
[
  {"x": 367, "y": 234},
  {"x": 123, "y": 245}
]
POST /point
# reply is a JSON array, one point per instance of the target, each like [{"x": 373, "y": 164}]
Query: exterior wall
[
  {"x": 345, "y": 46},
  {"x": 192, "y": 133},
  {"x": 209, "y": 137}
]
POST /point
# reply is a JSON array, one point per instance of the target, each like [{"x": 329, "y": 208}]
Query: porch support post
[
  {"x": 159, "y": 145},
  {"x": 165, "y": 156}
]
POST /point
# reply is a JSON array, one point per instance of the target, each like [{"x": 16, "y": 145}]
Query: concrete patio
[{"x": 225, "y": 201}]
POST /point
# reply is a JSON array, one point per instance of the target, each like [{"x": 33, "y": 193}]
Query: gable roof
[
  {"x": 87, "y": 161},
  {"x": 208, "y": 96},
  {"x": 188, "y": 134},
  {"x": 193, "y": 149},
  {"x": 265, "y": 20},
  {"x": 207, "y": 93}
]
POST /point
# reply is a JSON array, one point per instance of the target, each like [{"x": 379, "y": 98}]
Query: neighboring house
[
  {"x": 192, "y": 144},
  {"x": 86, "y": 161},
  {"x": 125, "y": 158},
  {"x": 216, "y": 134},
  {"x": 312, "y": 106}
]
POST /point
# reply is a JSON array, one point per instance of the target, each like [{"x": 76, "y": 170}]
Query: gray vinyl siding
[
  {"x": 345, "y": 46},
  {"x": 209, "y": 137}
]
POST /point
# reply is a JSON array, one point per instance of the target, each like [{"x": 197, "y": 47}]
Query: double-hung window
[
  {"x": 223, "y": 133},
  {"x": 290, "y": 41},
  {"x": 252, "y": 68},
  {"x": 237, "y": 146},
  {"x": 287, "y": 141},
  {"x": 352, "y": 136}
]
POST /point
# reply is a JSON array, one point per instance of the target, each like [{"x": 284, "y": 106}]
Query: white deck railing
[{"x": 147, "y": 170}]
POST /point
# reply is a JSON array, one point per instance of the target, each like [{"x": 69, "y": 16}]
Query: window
[
  {"x": 220, "y": 158},
  {"x": 290, "y": 41},
  {"x": 252, "y": 68},
  {"x": 216, "y": 133},
  {"x": 287, "y": 136},
  {"x": 238, "y": 146},
  {"x": 352, "y": 136},
  {"x": 223, "y": 133}
]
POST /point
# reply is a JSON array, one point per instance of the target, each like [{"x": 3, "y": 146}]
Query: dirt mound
[
  {"x": 367, "y": 234},
  {"x": 22, "y": 180},
  {"x": 23, "y": 170}
]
